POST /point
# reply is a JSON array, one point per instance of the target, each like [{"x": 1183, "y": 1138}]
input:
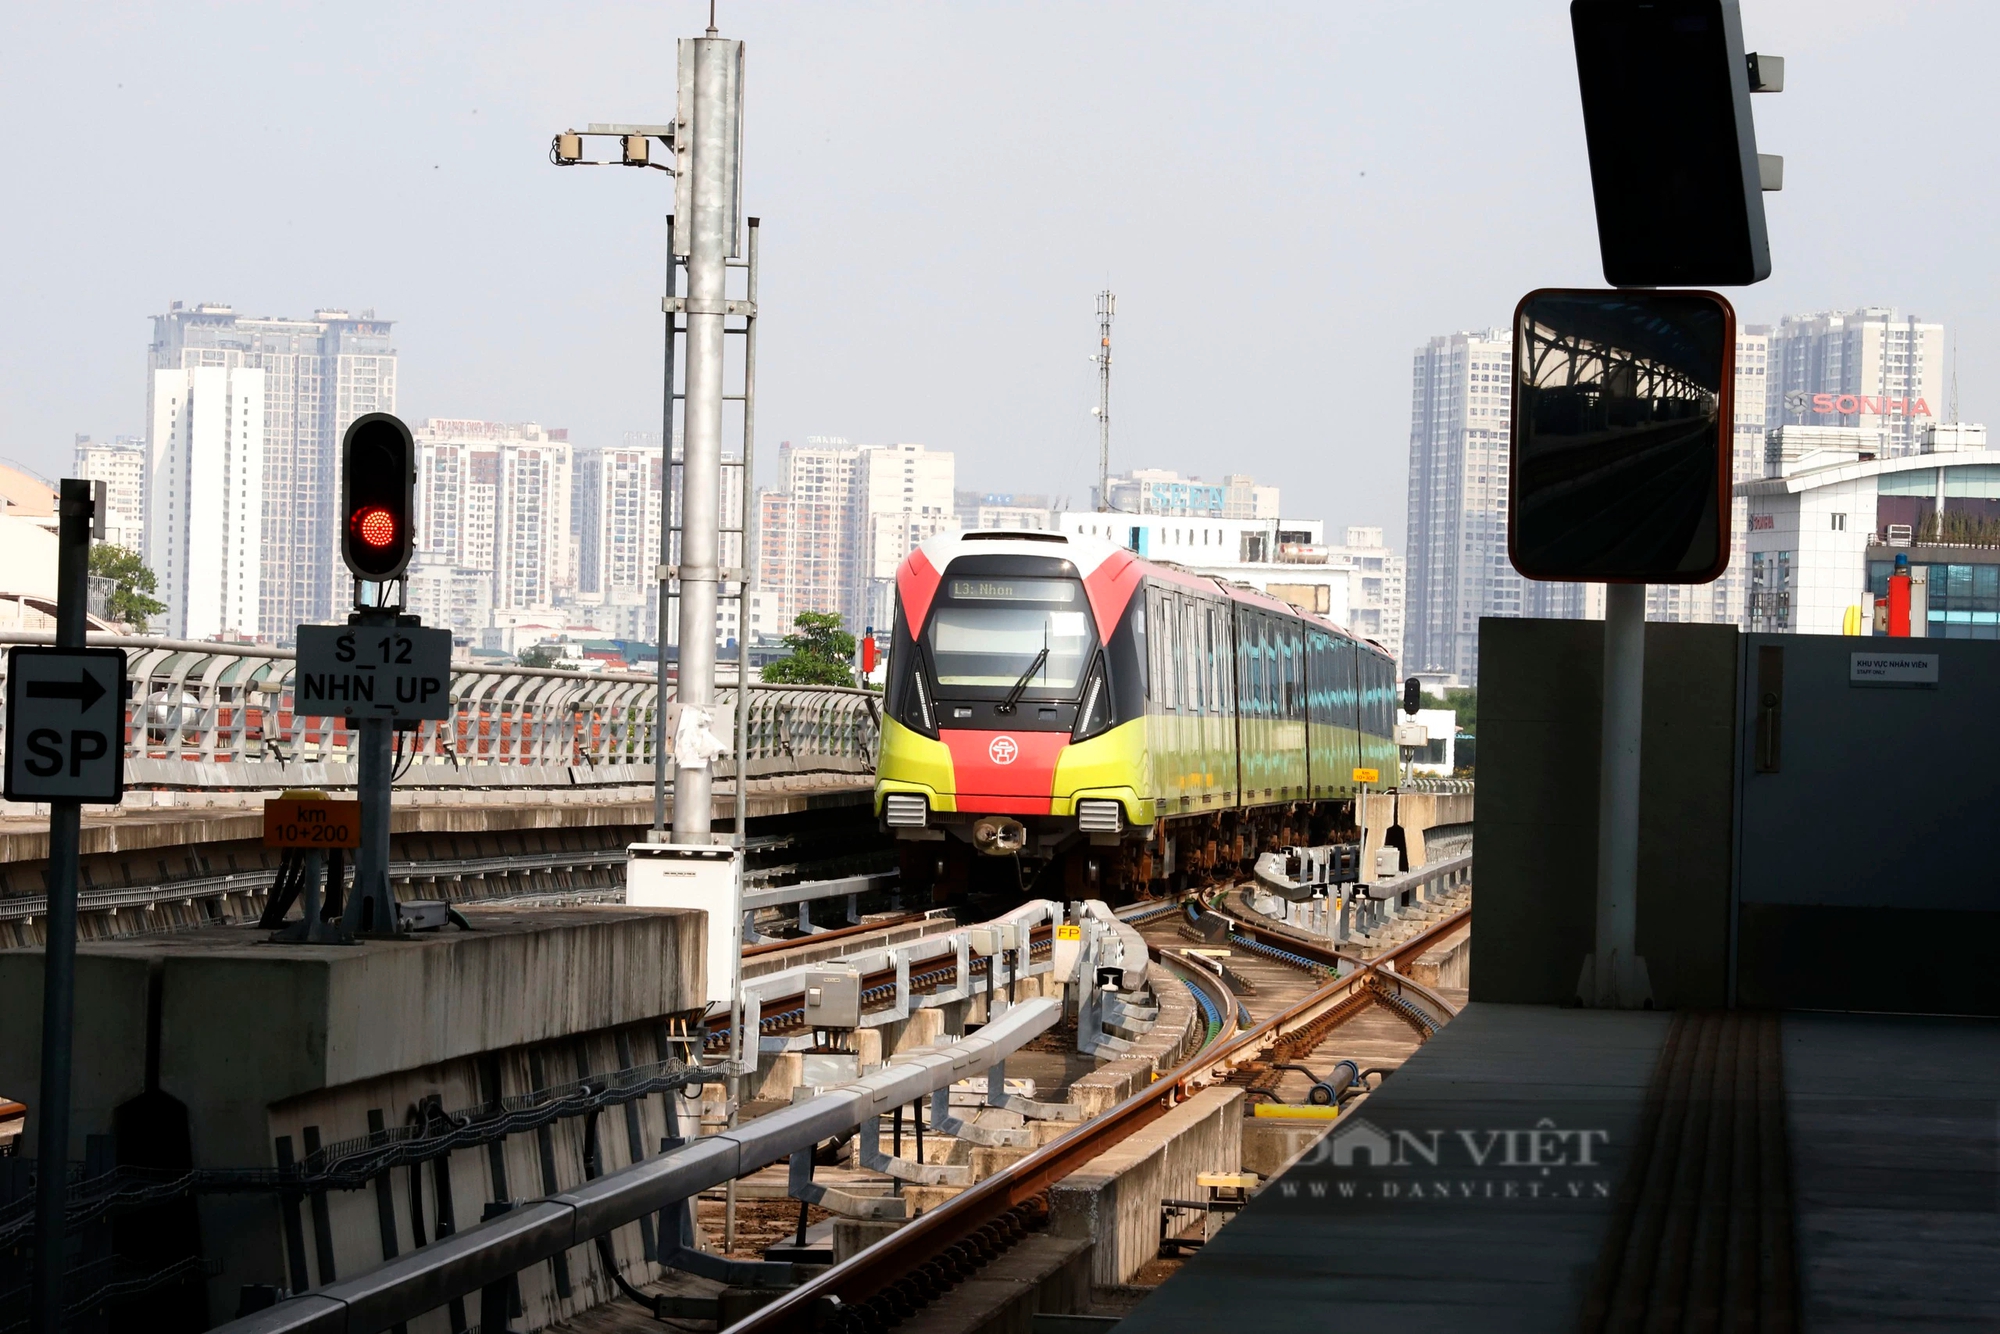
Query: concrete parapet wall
[
  {"x": 276, "y": 1048},
  {"x": 1448, "y": 965},
  {"x": 1178, "y": 1031},
  {"x": 1115, "y": 1199},
  {"x": 1271, "y": 1146},
  {"x": 1417, "y": 813}
]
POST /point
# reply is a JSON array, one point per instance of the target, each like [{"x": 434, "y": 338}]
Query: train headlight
[
  {"x": 1093, "y": 715},
  {"x": 919, "y": 712}
]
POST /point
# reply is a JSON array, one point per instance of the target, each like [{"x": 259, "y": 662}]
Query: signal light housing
[{"x": 378, "y": 474}]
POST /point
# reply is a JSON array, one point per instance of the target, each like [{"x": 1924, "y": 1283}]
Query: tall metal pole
[
  {"x": 711, "y": 225},
  {"x": 1107, "y": 305},
  {"x": 1616, "y": 975},
  {"x": 660, "y": 739},
  {"x": 59, "y": 945}
]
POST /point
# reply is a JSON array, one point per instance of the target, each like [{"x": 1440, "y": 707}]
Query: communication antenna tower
[{"x": 1107, "y": 305}]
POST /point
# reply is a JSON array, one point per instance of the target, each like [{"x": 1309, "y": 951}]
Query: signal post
[{"x": 383, "y": 671}]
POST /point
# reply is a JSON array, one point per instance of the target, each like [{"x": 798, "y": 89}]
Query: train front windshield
[{"x": 989, "y": 634}]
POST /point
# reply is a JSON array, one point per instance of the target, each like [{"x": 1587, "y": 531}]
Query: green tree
[
  {"x": 1465, "y": 702},
  {"x": 821, "y": 653},
  {"x": 132, "y": 580},
  {"x": 539, "y": 655}
]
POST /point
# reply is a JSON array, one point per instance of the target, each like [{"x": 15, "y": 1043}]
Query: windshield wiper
[{"x": 1020, "y": 687}]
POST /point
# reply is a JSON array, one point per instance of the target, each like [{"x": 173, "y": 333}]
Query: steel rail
[
  {"x": 827, "y": 937},
  {"x": 806, "y": 1309}
]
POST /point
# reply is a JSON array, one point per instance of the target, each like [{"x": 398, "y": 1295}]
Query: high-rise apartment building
[
  {"x": 844, "y": 518},
  {"x": 319, "y": 375},
  {"x": 903, "y": 497},
  {"x": 1722, "y": 602},
  {"x": 205, "y": 499},
  {"x": 448, "y": 596},
  {"x": 120, "y": 463},
  {"x": 495, "y": 496},
  {"x": 1872, "y": 368},
  {"x": 729, "y": 540},
  {"x": 616, "y": 495},
  {"x": 1458, "y": 570},
  {"x": 1374, "y": 587}
]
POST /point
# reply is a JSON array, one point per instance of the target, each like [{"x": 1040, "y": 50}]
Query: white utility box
[
  {"x": 1412, "y": 734},
  {"x": 833, "y": 998},
  {"x": 693, "y": 875}
]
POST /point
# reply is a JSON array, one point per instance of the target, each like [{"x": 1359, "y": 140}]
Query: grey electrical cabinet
[
  {"x": 833, "y": 998},
  {"x": 1815, "y": 812},
  {"x": 1865, "y": 823}
]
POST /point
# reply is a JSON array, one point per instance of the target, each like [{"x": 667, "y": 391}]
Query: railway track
[
  {"x": 1278, "y": 1000},
  {"x": 784, "y": 1015}
]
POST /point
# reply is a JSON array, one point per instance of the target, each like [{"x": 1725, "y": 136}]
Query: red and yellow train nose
[{"x": 1009, "y": 773}]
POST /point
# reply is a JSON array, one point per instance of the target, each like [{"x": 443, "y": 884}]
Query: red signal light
[{"x": 374, "y": 525}]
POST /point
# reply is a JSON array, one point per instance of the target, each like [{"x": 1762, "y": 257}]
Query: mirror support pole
[{"x": 1614, "y": 976}]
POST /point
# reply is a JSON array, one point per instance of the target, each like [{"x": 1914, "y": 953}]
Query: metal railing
[
  {"x": 404, "y": 1288},
  {"x": 1442, "y": 787},
  {"x": 220, "y": 716}
]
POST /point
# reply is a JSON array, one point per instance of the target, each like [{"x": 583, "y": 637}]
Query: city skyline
[{"x": 958, "y": 309}]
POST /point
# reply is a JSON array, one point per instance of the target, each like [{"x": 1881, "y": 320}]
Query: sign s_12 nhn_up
[{"x": 373, "y": 671}]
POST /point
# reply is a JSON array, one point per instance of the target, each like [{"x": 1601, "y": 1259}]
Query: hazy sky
[{"x": 1287, "y": 200}]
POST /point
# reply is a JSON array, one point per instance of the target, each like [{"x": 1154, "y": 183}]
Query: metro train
[{"x": 1062, "y": 716}]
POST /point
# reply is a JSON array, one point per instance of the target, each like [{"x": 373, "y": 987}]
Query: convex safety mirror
[{"x": 1621, "y": 428}]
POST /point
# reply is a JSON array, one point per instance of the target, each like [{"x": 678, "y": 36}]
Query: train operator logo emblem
[{"x": 1002, "y": 749}]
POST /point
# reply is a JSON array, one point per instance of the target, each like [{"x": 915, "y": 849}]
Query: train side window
[
  {"x": 1288, "y": 671},
  {"x": 1212, "y": 637},
  {"x": 1316, "y": 677},
  {"x": 1181, "y": 655},
  {"x": 1289, "y": 636},
  {"x": 1139, "y": 645},
  {"x": 1295, "y": 672},
  {"x": 1253, "y": 630},
  {"x": 1183, "y": 665},
  {"x": 1243, "y": 665},
  {"x": 1197, "y": 659},
  {"x": 1198, "y": 628},
  {"x": 1225, "y": 658},
  {"x": 1248, "y": 629},
  {"x": 1266, "y": 687},
  {"x": 1157, "y": 686}
]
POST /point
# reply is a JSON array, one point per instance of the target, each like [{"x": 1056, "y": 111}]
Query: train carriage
[{"x": 1055, "y": 703}]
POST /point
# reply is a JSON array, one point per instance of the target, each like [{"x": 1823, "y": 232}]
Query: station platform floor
[{"x": 1535, "y": 1168}]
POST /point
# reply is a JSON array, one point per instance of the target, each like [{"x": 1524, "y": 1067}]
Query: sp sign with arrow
[{"x": 65, "y": 724}]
